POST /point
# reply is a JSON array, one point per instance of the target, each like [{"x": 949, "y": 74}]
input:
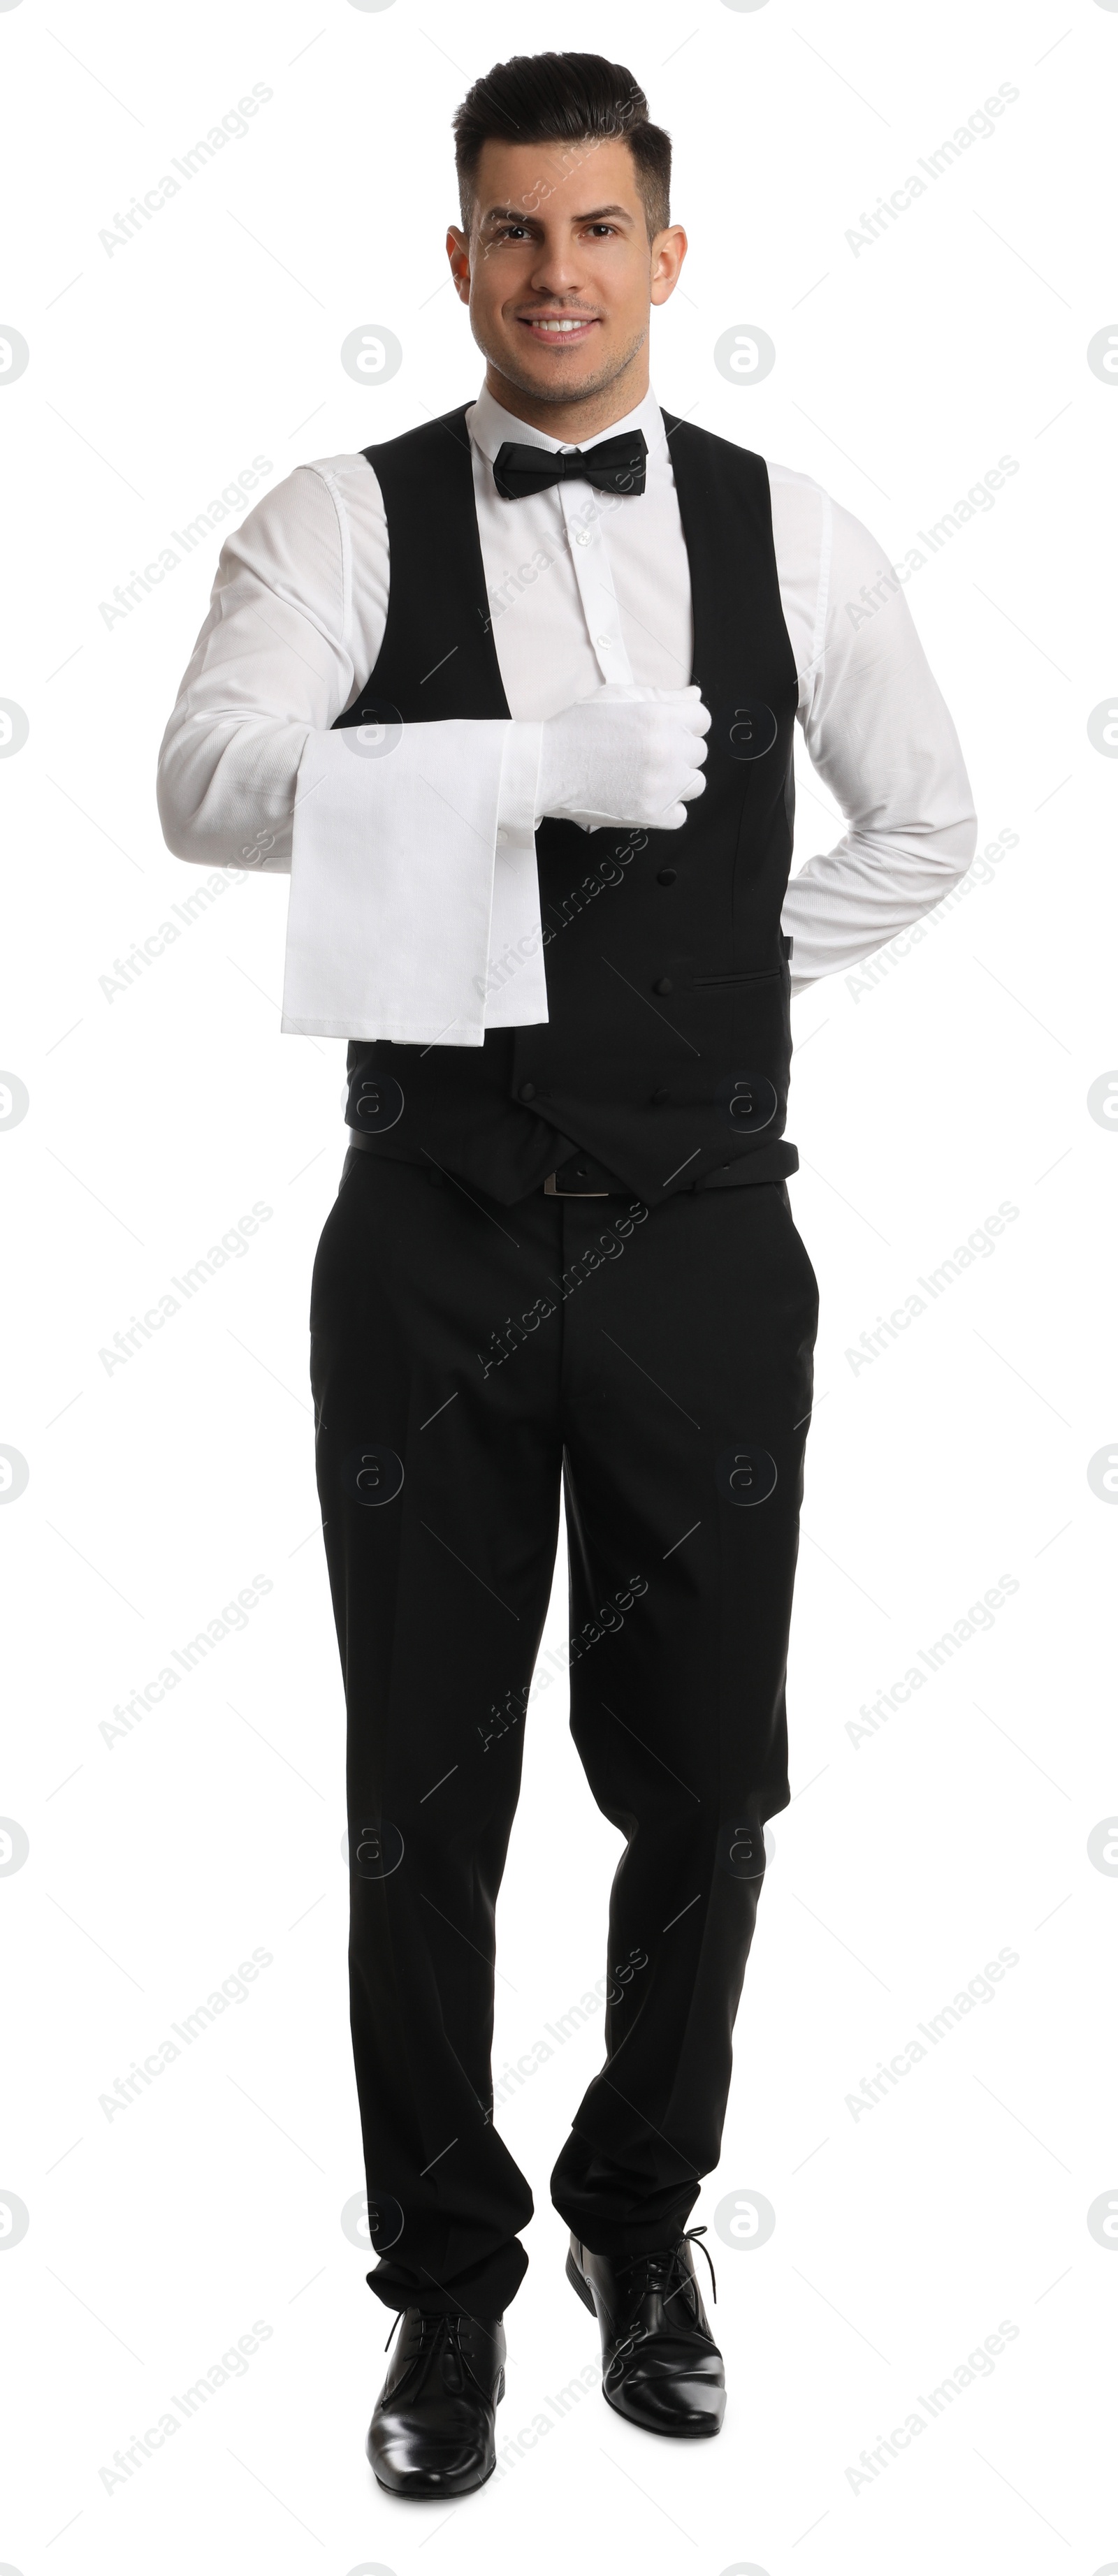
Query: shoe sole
[
  {"x": 434, "y": 2495},
  {"x": 704, "y": 2432}
]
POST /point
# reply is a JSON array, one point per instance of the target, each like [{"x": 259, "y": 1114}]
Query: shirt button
[
  {"x": 502, "y": 837},
  {"x": 664, "y": 876},
  {"x": 664, "y": 985},
  {"x": 527, "y": 1091},
  {"x": 606, "y": 643},
  {"x": 582, "y": 536}
]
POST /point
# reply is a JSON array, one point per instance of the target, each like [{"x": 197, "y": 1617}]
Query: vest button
[
  {"x": 658, "y": 1096},
  {"x": 664, "y": 985},
  {"x": 665, "y": 876},
  {"x": 527, "y": 1091}
]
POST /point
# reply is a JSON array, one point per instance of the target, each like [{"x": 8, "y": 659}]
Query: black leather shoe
[
  {"x": 432, "y": 2428},
  {"x": 661, "y": 2367}
]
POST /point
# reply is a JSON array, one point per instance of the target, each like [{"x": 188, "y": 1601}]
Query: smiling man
[{"x": 513, "y": 697}]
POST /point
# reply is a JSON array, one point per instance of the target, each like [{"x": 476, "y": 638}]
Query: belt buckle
[{"x": 550, "y": 1190}]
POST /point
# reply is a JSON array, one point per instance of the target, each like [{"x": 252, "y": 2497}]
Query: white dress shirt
[{"x": 414, "y": 907}]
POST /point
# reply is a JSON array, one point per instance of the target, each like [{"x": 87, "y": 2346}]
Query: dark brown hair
[{"x": 563, "y": 98}]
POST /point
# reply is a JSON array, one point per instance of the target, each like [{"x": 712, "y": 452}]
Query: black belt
[{"x": 582, "y": 1177}]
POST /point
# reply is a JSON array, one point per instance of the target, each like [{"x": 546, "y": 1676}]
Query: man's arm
[
  {"x": 392, "y": 848},
  {"x": 274, "y": 664},
  {"x": 878, "y": 732},
  {"x": 406, "y": 849}
]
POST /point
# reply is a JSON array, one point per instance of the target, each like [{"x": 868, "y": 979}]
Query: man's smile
[{"x": 558, "y": 330}]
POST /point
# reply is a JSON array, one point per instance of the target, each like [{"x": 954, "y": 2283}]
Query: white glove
[{"x": 624, "y": 755}]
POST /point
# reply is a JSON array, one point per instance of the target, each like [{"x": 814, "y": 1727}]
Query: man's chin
[{"x": 557, "y": 380}]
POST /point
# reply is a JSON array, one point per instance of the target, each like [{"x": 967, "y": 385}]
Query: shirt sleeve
[
  {"x": 390, "y": 833},
  {"x": 880, "y": 736},
  {"x": 271, "y": 665}
]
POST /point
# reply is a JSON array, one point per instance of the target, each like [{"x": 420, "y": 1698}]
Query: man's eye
[{"x": 519, "y": 232}]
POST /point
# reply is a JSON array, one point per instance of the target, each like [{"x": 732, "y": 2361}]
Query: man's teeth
[{"x": 558, "y": 326}]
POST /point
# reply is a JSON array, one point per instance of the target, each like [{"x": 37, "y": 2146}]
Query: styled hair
[{"x": 563, "y": 98}]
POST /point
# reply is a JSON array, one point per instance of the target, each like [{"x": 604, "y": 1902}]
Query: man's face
[{"x": 558, "y": 270}]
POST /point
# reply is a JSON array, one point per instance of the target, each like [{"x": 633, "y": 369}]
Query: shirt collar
[{"x": 489, "y": 424}]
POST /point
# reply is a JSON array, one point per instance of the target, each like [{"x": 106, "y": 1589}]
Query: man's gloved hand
[{"x": 625, "y": 755}]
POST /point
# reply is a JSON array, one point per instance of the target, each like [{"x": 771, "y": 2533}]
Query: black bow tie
[{"x": 614, "y": 465}]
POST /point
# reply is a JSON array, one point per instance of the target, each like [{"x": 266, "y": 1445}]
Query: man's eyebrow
[{"x": 519, "y": 215}]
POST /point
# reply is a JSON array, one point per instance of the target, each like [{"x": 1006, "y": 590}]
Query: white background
[{"x": 157, "y": 1491}]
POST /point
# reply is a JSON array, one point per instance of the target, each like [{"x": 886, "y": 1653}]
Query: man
[{"x": 562, "y": 1249}]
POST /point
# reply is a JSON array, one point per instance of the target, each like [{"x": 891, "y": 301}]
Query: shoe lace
[
  {"x": 666, "y": 2272},
  {"x": 436, "y": 2328}
]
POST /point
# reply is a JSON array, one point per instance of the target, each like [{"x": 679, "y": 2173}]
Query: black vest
[{"x": 666, "y": 1051}]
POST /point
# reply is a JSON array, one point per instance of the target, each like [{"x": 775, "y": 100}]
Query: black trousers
[{"x": 465, "y": 1358}]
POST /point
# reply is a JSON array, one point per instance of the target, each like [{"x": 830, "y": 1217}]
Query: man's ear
[
  {"x": 669, "y": 250},
  {"x": 458, "y": 253}
]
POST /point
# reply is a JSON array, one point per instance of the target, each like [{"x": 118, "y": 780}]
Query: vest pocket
[{"x": 706, "y": 983}]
